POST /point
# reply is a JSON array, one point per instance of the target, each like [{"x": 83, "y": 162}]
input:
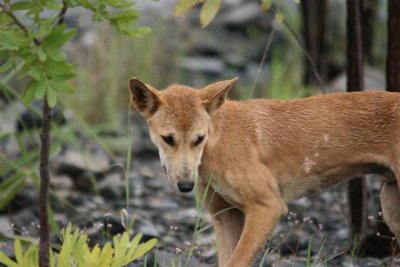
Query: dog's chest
[{"x": 226, "y": 191}]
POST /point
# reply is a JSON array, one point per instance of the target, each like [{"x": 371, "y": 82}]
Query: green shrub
[{"x": 76, "y": 252}]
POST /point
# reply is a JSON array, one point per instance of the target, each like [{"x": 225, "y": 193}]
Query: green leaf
[
  {"x": 61, "y": 86},
  {"x": 41, "y": 54},
  {"x": 35, "y": 72},
  {"x": 266, "y": 4},
  {"x": 130, "y": 14},
  {"x": 58, "y": 70},
  {"x": 56, "y": 55},
  {"x": 22, "y": 5},
  {"x": 136, "y": 32},
  {"x": 35, "y": 10},
  {"x": 18, "y": 251},
  {"x": 10, "y": 187},
  {"x": 119, "y": 3},
  {"x": 144, "y": 248},
  {"x": 279, "y": 17},
  {"x": 51, "y": 97},
  {"x": 6, "y": 66},
  {"x": 106, "y": 255},
  {"x": 53, "y": 5},
  {"x": 40, "y": 90},
  {"x": 184, "y": 5},
  {"x": 12, "y": 40},
  {"x": 4, "y": 259},
  {"x": 208, "y": 11},
  {"x": 4, "y": 19},
  {"x": 58, "y": 37},
  {"x": 30, "y": 92},
  {"x": 134, "y": 245}
]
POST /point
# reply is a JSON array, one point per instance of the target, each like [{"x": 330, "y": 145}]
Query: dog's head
[{"x": 179, "y": 120}]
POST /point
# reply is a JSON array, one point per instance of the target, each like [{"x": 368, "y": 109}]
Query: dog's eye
[
  {"x": 199, "y": 140},
  {"x": 168, "y": 139}
]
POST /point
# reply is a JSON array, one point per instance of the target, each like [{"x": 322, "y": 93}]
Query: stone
[
  {"x": 29, "y": 120},
  {"x": 148, "y": 230},
  {"x": 163, "y": 258},
  {"x": 25, "y": 222},
  {"x": 243, "y": 14},
  {"x": 74, "y": 163},
  {"x": 25, "y": 198},
  {"x": 212, "y": 65},
  {"x": 112, "y": 186},
  {"x": 5, "y": 227},
  {"x": 61, "y": 182}
]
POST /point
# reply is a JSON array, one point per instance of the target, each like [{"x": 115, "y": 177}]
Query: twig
[
  {"x": 308, "y": 56},
  {"x": 44, "y": 241},
  {"x": 18, "y": 23},
  {"x": 267, "y": 46}
]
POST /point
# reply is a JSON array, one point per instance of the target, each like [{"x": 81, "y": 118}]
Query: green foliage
[
  {"x": 75, "y": 252},
  {"x": 211, "y": 7},
  {"x": 39, "y": 45},
  {"x": 208, "y": 10}
]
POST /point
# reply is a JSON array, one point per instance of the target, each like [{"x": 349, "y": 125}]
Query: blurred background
[{"x": 102, "y": 160}]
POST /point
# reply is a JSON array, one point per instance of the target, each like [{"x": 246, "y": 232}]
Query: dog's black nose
[{"x": 185, "y": 186}]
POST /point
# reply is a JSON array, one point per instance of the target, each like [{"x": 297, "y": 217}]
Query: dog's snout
[{"x": 185, "y": 186}]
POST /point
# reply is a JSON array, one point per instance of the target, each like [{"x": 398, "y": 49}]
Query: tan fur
[{"x": 260, "y": 154}]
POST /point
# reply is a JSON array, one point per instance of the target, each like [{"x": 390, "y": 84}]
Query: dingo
[{"x": 260, "y": 154}]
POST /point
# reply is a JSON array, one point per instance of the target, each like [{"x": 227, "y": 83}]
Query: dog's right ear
[
  {"x": 213, "y": 95},
  {"x": 143, "y": 97}
]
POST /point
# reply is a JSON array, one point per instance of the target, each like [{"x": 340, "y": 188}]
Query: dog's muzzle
[{"x": 185, "y": 186}]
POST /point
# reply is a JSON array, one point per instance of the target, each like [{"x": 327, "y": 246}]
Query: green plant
[
  {"x": 76, "y": 252},
  {"x": 35, "y": 41}
]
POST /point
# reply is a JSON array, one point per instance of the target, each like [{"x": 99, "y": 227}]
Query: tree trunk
[
  {"x": 44, "y": 233},
  {"x": 357, "y": 189},
  {"x": 368, "y": 19},
  {"x": 393, "y": 56},
  {"x": 314, "y": 15},
  {"x": 44, "y": 241}
]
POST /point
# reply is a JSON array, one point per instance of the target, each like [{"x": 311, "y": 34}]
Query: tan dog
[{"x": 261, "y": 154}]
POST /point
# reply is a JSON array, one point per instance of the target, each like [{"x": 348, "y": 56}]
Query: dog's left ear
[
  {"x": 213, "y": 95},
  {"x": 144, "y": 97}
]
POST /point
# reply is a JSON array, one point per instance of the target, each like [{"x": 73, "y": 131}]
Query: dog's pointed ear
[
  {"x": 144, "y": 98},
  {"x": 213, "y": 95}
]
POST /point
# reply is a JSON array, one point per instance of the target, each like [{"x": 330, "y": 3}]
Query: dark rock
[
  {"x": 113, "y": 225},
  {"x": 26, "y": 221},
  {"x": 243, "y": 14},
  {"x": 5, "y": 227},
  {"x": 166, "y": 259},
  {"x": 211, "y": 65},
  {"x": 112, "y": 186},
  {"x": 163, "y": 204},
  {"x": 74, "y": 163},
  {"x": 148, "y": 230},
  {"x": 7, "y": 247},
  {"x": 29, "y": 120},
  {"x": 292, "y": 245},
  {"x": 83, "y": 170},
  {"x": 25, "y": 198},
  {"x": 61, "y": 182}
]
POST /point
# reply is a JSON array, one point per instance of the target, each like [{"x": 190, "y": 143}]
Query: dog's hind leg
[
  {"x": 228, "y": 224},
  {"x": 390, "y": 201}
]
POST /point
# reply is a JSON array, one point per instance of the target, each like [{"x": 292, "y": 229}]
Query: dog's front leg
[
  {"x": 260, "y": 220},
  {"x": 227, "y": 221}
]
